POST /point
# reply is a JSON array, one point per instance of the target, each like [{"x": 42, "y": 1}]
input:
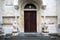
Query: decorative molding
[
  {"x": 43, "y": 7},
  {"x": 16, "y": 7},
  {"x": 9, "y": 3},
  {"x": 9, "y": 16},
  {"x": 6, "y": 24}
]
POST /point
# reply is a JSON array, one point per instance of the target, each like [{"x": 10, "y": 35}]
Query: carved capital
[{"x": 16, "y": 7}]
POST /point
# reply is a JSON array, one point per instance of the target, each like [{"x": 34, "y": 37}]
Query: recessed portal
[{"x": 30, "y": 18}]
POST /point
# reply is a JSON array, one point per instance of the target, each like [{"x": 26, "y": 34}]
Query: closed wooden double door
[{"x": 30, "y": 21}]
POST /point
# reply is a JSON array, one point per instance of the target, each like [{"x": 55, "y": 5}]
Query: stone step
[{"x": 30, "y": 37}]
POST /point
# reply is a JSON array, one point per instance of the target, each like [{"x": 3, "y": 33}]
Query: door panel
[
  {"x": 30, "y": 21},
  {"x": 33, "y": 21},
  {"x": 27, "y": 21}
]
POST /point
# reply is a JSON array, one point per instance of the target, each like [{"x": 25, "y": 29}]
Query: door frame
[
  {"x": 37, "y": 23},
  {"x": 38, "y": 12}
]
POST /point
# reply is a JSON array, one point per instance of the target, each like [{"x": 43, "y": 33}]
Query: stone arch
[
  {"x": 37, "y": 3},
  {"x": 22, "y": 4}
]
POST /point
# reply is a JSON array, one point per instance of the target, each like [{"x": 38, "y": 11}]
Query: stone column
[
  {"x": 15, "y": 4},
  {"x": 58, "y": 14},
  {"x": 1, "y": 12},
  {"x": 58, "y": 10}
]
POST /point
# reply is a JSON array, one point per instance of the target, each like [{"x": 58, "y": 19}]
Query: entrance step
[{"x": 30, "y": 36}]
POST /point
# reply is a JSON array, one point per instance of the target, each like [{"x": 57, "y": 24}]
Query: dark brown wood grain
[{"x": 30, "y": 21}]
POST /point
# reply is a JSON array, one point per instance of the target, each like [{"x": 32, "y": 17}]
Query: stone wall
[
  {"x": 8, "y": 11},
  {"x": 1, "y": 10},
  {"x": 50, "y": 15}
]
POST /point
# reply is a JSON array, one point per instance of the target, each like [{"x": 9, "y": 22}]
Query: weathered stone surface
[
  {"x": 41, "y": 37},
  {"x": 50, "y": 12},
  {"x": 58, "y": 10}
]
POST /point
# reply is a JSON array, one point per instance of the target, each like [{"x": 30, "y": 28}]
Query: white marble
[
  {"x": 8, "y": 30},
  {"x": 9, "y": 10}
]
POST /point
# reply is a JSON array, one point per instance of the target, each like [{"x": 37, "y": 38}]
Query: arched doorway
[
  {"x": 30, "y": 18},
  {"x": 27, "y": 6}
]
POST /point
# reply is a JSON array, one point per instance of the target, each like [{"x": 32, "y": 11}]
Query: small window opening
[{"x": 30, "y": 6}]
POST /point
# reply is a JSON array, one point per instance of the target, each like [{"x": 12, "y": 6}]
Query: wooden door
[{"x": 30, "y": 21}]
